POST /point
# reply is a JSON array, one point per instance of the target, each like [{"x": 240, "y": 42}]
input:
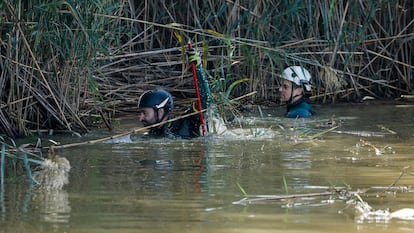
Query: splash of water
[
  {"x": 364, "y": 212},
  {"x": 54, "y": 173}
]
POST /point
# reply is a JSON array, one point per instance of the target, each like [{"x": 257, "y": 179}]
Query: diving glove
[{"x": 193, "y": 56}]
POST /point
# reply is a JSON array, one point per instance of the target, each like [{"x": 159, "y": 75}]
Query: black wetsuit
[{"x": 188, "y": 127}]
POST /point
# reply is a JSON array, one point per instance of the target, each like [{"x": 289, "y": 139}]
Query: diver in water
[
  {"x": 156, "y": 106},
  {"x": 296, "y": 80}
]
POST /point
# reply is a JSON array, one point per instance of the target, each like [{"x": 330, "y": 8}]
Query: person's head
[
  {"x": 154, "y": 106},
  {"x": 295, "y": 80}
]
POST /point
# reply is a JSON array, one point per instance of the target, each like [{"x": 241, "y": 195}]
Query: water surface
[{"x": 166, "y": 185}]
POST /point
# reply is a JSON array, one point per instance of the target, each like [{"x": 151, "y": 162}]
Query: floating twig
[{"x": 259, "y": 199}]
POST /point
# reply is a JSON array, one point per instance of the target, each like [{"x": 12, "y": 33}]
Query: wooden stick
[
  {"x": 136, "y": 130},
  {"x": 244, "y": 96},
  {"x": 133, "y": 131}
]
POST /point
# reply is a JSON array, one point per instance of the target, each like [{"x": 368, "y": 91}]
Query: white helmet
[{"x": 298, "y": 75}]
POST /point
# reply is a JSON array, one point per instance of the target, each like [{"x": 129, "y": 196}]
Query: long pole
[{"x": 200, "y": 106}]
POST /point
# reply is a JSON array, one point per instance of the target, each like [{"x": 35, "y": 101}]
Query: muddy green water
[{"x": 194, "y": 185}]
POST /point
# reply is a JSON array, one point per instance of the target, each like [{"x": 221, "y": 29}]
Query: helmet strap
[
  {"x": 157, "y": 117},
  {"x": 292, "y": 97}
]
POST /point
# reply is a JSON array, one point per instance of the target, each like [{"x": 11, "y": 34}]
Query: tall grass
[
  {"x": 47, "y": 60},
  {"x": 64, "y": 61}
]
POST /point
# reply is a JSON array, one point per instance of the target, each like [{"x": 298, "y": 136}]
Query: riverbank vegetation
[{"x": 65, "y": 64}]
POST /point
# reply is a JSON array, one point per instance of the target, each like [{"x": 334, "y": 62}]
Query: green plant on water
[
  {"x": 242, "y": 189},
  {"x": 285, "y": 186}
]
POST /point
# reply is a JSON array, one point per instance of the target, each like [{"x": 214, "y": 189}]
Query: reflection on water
[
  {"x": 53, "y": 206},
  {"x": 190, "y": 185},
  {"x": 34, "y": 209}
]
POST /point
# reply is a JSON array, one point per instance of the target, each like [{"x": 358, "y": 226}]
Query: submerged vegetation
[{"x": 64, "y": 64}]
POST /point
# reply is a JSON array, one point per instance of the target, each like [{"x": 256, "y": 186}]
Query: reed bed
[{"x": 63, "y": 64}]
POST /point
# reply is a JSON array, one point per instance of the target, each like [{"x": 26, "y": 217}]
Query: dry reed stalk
[
  {"x": 331, "y": 80},
  {"x": 36, "y": 63},
  {"x": 113, "y": 56}
]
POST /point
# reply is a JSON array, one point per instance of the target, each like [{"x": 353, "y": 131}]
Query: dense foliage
[{"x": 63, "y": 63}]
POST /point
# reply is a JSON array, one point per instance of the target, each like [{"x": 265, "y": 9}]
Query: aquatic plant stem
[
  {"x": 2, "y": 163},
  {"x": 282, "y": 197},
  {"x": 333, "y": 58},
  {"x": 29, "y": 171},
  {"x": 324, "y": 132},
  {"x": 285, "y": 186},
  {"x": 242, "y": 189},
  {"x": 403, "y": 171}
]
